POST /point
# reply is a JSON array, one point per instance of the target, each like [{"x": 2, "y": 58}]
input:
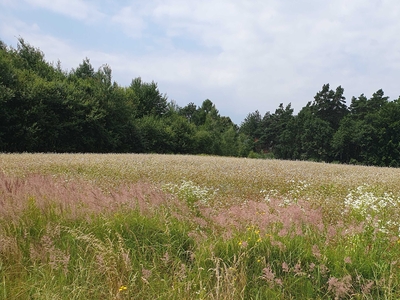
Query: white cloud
[
  {"x": 243, "y": 55},
  {"x": 54, "y": 48},
  {"x": 82, "y": 10},
  {"x": 266, "y": 52},
  {"x": 131, "y": 19}
]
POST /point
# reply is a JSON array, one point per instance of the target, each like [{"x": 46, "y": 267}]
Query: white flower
[{"x": 371, "y": 206}]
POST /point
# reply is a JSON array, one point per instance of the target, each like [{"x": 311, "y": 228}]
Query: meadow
[{"x": 147, "y": 226}]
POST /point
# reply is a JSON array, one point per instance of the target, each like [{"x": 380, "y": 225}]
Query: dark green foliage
[
  {"x": 315, "y": 136},
  {"x": 330, "y": 105},
  {"x": 46, "y": 109},
  {"x": 252, "y": 126},
  {"x": 364, "y": 135},
  {"x": 327, "y": 130},
  {"x": 189, "y": 112},
  {"x": 147, "y": 99},
  {"x": 181, "y": 135},
  {"x": 276, "y": 133}
]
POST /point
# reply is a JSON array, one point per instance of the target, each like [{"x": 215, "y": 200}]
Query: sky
[{"x": 243, "y": 55}]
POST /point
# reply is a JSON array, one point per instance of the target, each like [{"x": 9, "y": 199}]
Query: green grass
[{"x": 193, "y": 227}]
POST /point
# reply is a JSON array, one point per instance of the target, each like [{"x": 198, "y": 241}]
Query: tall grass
[{"x": 185, "y": 227}]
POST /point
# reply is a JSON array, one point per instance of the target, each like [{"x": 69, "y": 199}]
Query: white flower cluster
[
  {"x": 366, "y": 202},
  {"x": 296, "y": 191},
  {"x": 374, "y": 208},
  {"x": 268, "y": 194},
  {"x": 190, "y": 192}
]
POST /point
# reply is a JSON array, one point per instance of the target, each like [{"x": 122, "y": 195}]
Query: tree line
[
  {"x": 366, "y": 132},
  {"x": 46, "y": 109}
]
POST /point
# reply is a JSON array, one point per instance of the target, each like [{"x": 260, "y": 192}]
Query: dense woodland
[{"x": 44, "y": 108}]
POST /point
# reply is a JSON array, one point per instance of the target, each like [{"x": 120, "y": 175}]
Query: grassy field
[{"x": 90, "y": 226}]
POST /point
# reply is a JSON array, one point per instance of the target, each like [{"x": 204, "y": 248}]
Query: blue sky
[{"x": 242, "y": 55}]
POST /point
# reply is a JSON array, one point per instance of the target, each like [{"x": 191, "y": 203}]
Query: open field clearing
[{"x": 127, "y": 226}]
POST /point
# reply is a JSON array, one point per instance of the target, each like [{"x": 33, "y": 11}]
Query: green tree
[
  {"x": 8, "y": 79},
  {"x": 315, "y": 136},
  {"x": 148, "y": 99},
  {"x": 252, "y": 126},
  {"x": 155, "y": 136},
  {"x": 229, "y": 142},
  {"x": 330, "y": 105},
  {"x": 32, "y": 59},
  {"x": 203, "y": 141},
  {"x": 181, "y": 135},
  {"x": 276, "y": 136},
  {"x": 190, "y": 112},
  {"x": 85, "y": 70},
  {"x": 360, "y": 137},
  {"x": 388, "y": 130}
]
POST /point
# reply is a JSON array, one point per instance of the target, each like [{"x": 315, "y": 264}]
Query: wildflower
[
  {"x": 145, "y": 274},
  {"x": 323, "y": 269},
  {"x": 316, "y": 252},
  {"x": 312, "y": 267},
  {"x": 347, "y": 260},
  {"x": 278, "y": 282},
  {"x": 297, "y": 269},
  {"x": 252, "y": 227},
  {"x": 123, "y": 288},
  {"x": 268, "y": 274},
  {"x": 368, "y": 204},
  {"x": 340, "y": 287},
  {"x": 279, "y": 244},
  {"x": 166, "y": 258},
  {"x": 366, "y": 288},
  {"x": 285, "y": 267},
  {"x": 283, "y": 232},
  {"x": 243, "y": 244}
]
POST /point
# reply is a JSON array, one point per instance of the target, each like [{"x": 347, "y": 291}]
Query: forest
[{"x": 44, "y": 108}]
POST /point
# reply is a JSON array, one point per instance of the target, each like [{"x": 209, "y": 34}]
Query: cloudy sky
[{"x": 243, "y": 55}]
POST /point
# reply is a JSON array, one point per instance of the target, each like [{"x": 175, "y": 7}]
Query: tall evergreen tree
[{"x": 330, "y": 105}]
